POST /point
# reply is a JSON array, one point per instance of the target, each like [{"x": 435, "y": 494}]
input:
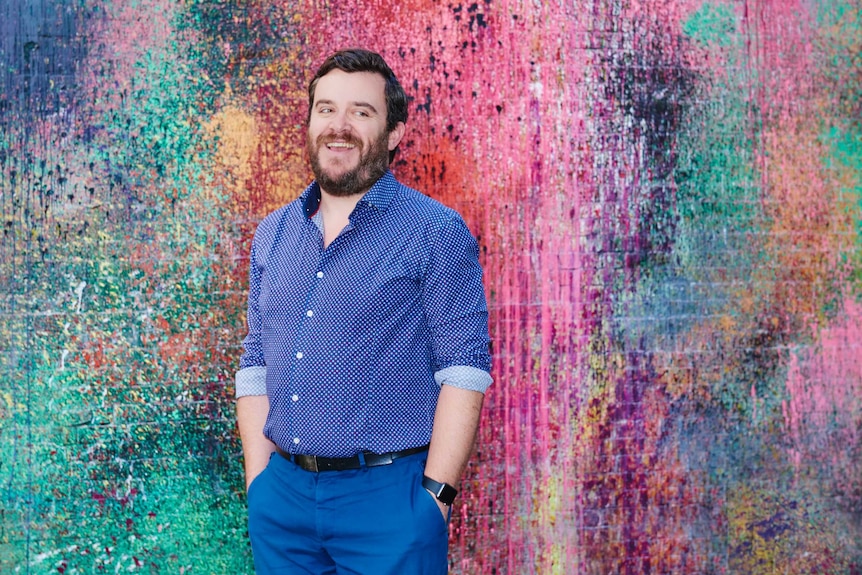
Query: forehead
[{"x": 338, "y": 85}]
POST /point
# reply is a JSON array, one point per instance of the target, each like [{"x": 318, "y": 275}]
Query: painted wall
[{"x": 668, "y": 198}]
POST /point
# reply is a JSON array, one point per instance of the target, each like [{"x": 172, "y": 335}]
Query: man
[{"x": 366, "y": 361}]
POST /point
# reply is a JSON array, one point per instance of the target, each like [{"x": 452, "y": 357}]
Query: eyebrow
[{"x": 357, "y": 103}]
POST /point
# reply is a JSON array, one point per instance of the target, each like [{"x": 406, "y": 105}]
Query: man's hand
[
  {"x": 444, "y": 509},
  {"x": 251, "y": 413}
]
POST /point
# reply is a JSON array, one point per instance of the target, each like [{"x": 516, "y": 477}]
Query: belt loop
[{"x": 361, "y": 455}]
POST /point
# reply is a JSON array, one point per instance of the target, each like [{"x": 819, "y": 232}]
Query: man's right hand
[{"x": 251, "y": 412}]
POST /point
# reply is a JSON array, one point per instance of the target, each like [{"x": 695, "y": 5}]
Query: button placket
[{"x": 309, "y": 312}]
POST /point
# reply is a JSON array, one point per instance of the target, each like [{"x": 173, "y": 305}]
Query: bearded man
[{"x": 366, "y": 361}]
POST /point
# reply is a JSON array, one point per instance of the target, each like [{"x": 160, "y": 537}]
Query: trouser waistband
[{"x": 317, "y": 464}]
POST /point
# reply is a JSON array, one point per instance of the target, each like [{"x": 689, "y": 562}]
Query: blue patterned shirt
[{"x": 351, "y": 342}]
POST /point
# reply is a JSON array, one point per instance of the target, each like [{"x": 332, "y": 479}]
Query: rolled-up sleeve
[
  {"x": 457, "y": 312},
  {"x": 251, "y": 377}
]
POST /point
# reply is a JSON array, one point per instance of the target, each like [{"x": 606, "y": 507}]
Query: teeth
[{"x": 339, "y": 145}]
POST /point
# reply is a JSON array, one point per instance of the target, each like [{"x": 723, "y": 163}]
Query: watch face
[{"x": 447, "y": 494}]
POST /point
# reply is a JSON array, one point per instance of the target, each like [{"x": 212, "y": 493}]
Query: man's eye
[
  {"x": 325, "y": 110},
  {"x": 362, "y": 113}
]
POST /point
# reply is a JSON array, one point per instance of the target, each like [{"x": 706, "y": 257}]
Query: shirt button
[
  {"x": 296, "y": 441},
  {"x": 320, "y": 274},
  {"x": 309, "y": 313},
  {"x": 295, "y": 397},
  {"x": 299, "y": 355}
]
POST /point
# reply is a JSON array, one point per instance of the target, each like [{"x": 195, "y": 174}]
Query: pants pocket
[
  {"x": 255, "y": 481},
  {"x": 427, "y": 505}
]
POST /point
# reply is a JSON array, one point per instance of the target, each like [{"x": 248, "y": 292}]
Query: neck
[
  {"x": 336, "y": 200},
  {"x": 336, "y": 211},
  {"x": 339, "y": 204}
]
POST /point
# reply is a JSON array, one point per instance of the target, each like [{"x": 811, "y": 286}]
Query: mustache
[{"x": 343, "y": 136}]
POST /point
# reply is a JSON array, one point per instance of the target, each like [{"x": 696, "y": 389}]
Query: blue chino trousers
[{"x": 368, "y": 521}]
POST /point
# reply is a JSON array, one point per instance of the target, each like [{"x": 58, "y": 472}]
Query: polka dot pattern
[{"x": 351, "y": 336}]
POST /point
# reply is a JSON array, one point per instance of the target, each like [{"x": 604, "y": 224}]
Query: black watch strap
[{"x": 444, "y": 492}]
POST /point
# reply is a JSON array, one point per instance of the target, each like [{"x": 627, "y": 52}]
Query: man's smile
[{"x": 340, "y": 146}]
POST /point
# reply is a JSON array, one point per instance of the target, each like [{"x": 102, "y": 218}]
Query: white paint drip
[{"x": 79, "y": 291}]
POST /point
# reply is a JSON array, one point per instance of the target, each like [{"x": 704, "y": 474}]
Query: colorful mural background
[{"x": 668, "y": 198}]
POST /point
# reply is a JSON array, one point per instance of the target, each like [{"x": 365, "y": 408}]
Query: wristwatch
[{"x": 444, "y": 492}]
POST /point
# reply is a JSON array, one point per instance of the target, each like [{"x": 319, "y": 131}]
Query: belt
[{"x": 317, "y": 464}]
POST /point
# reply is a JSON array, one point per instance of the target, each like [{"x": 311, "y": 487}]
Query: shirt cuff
[
  {"x": 251, "y": 381},
  {"x": 464, "y": 377}
]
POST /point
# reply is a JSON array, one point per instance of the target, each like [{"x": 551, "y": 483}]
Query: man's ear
[{"x": 395, "y": 135}]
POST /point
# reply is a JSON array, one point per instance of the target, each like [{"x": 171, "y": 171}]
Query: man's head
[
  {"x": 356, "y": 116},
  {"x": 359, "y": 60}
]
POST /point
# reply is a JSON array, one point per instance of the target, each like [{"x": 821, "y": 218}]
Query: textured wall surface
[{"x": 668, "y": 200}]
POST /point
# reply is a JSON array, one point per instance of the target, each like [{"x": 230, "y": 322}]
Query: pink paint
[
  {"x": 778, "y": 38},
  {"x": 127, "y": 41},
  {"x": 521, "y": 123},
  {"x": 545, "y": 163},
  {"x": 824, "y": 383}
]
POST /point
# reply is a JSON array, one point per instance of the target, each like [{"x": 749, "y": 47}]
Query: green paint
[
  {"x": 118, "y": 443},
  {"x": 712, "y": 24},
  {"x": 846, "y": 157},
  {"x": 840, "y": 41}
]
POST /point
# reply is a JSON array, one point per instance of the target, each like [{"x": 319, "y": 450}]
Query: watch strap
[{"x": 444, "y": 492}]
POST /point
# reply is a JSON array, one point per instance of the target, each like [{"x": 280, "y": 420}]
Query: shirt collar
[{"x": 379, "y": 195}]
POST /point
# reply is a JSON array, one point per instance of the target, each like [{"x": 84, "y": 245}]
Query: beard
[{"x": 373, "y": 164}]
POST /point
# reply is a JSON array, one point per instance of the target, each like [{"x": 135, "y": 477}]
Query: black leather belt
[{"x": 317, "y": 464}]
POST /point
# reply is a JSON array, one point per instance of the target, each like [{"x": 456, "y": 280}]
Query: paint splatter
[{"x": 668, "y": 199}]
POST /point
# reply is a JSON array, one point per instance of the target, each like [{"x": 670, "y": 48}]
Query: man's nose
[{"x": 339, "y": 122}]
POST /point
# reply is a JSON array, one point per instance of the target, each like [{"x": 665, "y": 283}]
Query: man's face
[{"x": 347, "y": 140}]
